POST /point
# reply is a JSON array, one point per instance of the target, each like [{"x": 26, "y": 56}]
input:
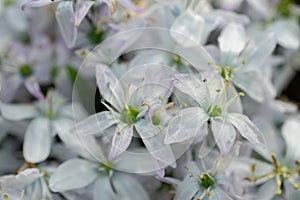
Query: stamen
[
  {"x": 107, "y": 106},
  {"x": 115, "y": 95},
  {"x": 295, "y": 185},
  {"x": 233, "y": 99},
  {"x": 127, "y": 96},
  {"x": 275, "y": 163},
  {"x": 244, "y": 62}
]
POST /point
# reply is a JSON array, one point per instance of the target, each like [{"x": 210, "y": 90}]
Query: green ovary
[
  {"x": 25, "y": 70},
  {"x": 129, "y": 114}
]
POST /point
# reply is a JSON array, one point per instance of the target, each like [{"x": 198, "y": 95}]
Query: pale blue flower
[
  {"x": 49, "y": 117},
  {"x": 211, "y": 114}
]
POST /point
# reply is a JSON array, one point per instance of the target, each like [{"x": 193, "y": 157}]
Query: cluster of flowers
[{"x": 148, "y": 99}]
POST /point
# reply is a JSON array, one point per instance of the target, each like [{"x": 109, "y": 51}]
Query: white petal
[
  {"x": 96, "y": 123},
  {"x": 153, "y": 139},
  {"x": 103, "y": 189},
  {"x": 251, "y": 83},
  {"x": 267, "y": 190},
  {"x": 9, "y": 87},
  {"x": 188, "y": 188},
  {"x": 287, "y": 33},
  {"x": 246, "y": 128},
  {"x": 185, "y": 125},
  {"x": 37, "y": 141},
  {"x": 194, "y": 87},
  {"x": 261, "y": 7},
  {"x": 232, "y": 39},
  {"x": 291, "y": 134},
  {"x": 73, "y": 174},
  {"x": 17, "y": 112},
  {"x": 38, "y": 3},
  {"x": 109, "y": 86},
  {"x": 259, "y": 50},
  {"x": 65, "y": 17},
  {"x": 121, "y": 140},
  {"x": 82, "y": 8},
  {"x": 187, "y": 29},
  {"x": 129, "y": 188},
  {"x": 224, "y": 134}
]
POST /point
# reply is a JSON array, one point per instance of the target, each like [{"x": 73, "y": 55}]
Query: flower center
[
  {"x": 129, "y": 114},
  {"x": 207, "y": 180},
  {"x": 281, "y": 173},
  {"x": 225, "y": 72},
  {"x": 95, "y": 35},
  {"x": 217, "y": 111},
  {"x": 25, "y": 70}
]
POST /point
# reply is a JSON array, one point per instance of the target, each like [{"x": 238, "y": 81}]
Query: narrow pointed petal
[
  {"x": 233, "y": 38},
  {"x": 187, "y": 30},
  {"x": 121, "y": 140},
  {"x": 65, "y": 17},
  {"x": 73, "y": 174},
  {"x": 290, "y": 132},
  {"x": 251, "y": 83},
  {"x": 246, "y": 128},
  {"x": 34, "y": 88},
  {"x": 38, "y": 3},
  {"x": 194, "y": 87},
  {"x": 37, "y": 141},
  {"x": 153, "y": 139},
  {"x": 109, "y": 86},
  {"x": 18, "y": 112},
  {"x": 185, "y": 125},
  {"x": 224, "y": 134},
  {"x": 81, "y": 10},
  {"x": 96, "y": 123},
  {"x": 188, "y": 188}
]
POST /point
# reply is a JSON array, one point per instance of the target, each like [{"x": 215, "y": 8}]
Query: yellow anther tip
[
  {"x": 228, "y": 68},
  {"x": 278, "y": 183},
  {"x": 241, "y": 94},
  {"x": 296, "y": 186},
  {"x": 278, "y": 192},
  {"x": 218, "y": 68},
  {"x": 244, "y": 62},
  {"x": 208, "y": 193}
]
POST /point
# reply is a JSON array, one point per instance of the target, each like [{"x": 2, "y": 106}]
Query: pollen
[
  {"x": 5, "y": 196},
  {"x": 296, "y": 186}
]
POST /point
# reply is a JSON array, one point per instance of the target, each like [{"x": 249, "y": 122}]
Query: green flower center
[
  {"x": 129, "y": 114},
  {"x": 50, "y": 113},
  {"x": 25, "y": 70},
  {"x": 283, "y": 8},
  {"x": 217, "y": 111},
  {"x": 95, "y": 35},
  {"x": 7, "y": 2},
  {"x": 207, "y": 180},
  {"x": 155, "y": 119}
]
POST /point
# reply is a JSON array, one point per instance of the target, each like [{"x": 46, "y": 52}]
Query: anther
[
  {"x": 241, "y": 94},
  {"x": 274, "y": 160},
  {"x": 218, "y": 68},
  {"x": 278, "y": 192},
  {"x": 207, "y": 193},
  {"x": 5, "y": 196},
  {"x": 296, "y": 186},
  {"x": 244, "y": 62},
  {"x": 227, "y": 68}
]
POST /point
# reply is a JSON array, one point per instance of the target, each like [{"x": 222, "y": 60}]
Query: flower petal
[
  {"x": 37, "y": 141},
  {"x": 233, "y": 38},
  {"x": 287, "y": 33},
  {"x": 109, "y": 86},
  {"x": 34, "y": 88},
  {"x": 9, "y": 87},
  {"x": 73, "y": 174},
  {"x": 153, "y": 137},
  {"x": 65, "y": 17},
  {"x": 246, "y": 128},
  {"x": 38, "y": 3},
  {"x": 103, "y": 189},
  {"x": 188, "y": 188},
  {"x": 121, "y": 140},
  {"x": 185, "y": 125},
  {"x": 17, "y": 112},
  {"x": 224, "y": 135},
  {"x": 194, "y": 87},
  {"x": 188, "y": 28},
  {"x": 290, "y": 133},
  {"x": 81, "y": 10},
  {"x": 96, "y": 123}
]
